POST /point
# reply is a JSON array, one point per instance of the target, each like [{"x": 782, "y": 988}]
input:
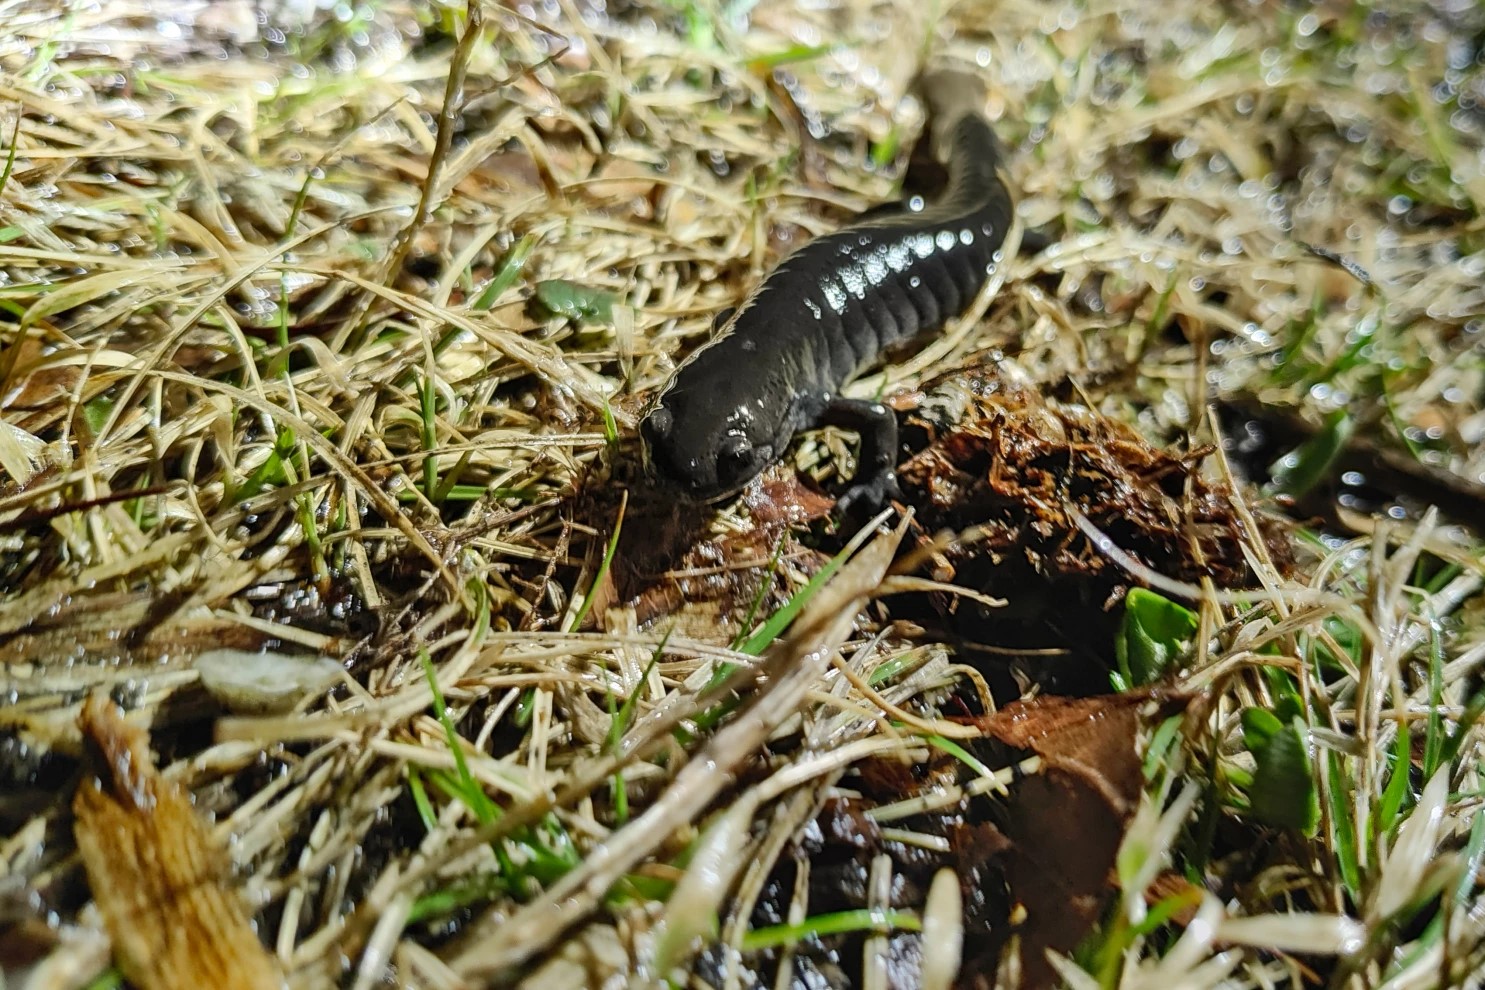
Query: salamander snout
[
  {"x": 737, "y": 462},
  {"x": 702, "y": 466}
]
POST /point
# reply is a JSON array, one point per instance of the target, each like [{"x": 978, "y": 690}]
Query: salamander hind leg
[{"x": 876, "y": 471}]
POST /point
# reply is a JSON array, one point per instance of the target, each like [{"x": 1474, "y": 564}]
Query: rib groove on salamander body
[{"x": 827, "y": 313}]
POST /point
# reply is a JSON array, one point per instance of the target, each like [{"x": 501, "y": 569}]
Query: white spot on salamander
[
  {"x": 854, "y": 281},
  {"x": 835, "y": 296},
  {"x": 898, "y": 256},
  {"x": 923, "y": 245},
  {"x": 945, "y": 240},
  {"x": 966, "y": 237},
  {"x": 914, "y": 282},
  {"x": 814, "y": 307}
]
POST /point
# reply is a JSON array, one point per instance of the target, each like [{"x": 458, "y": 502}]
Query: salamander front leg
[{"x": 876, "y": 470}]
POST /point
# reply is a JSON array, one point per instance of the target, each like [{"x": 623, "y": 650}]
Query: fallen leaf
[
  {"x": 1066, "y": 822},
  {"x": 159, "y": 879}
]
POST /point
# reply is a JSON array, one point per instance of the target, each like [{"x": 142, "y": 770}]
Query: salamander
[{"x": 825, "y": 314}]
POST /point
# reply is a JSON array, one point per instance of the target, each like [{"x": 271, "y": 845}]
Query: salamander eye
[{"x": 736, "y": 464}]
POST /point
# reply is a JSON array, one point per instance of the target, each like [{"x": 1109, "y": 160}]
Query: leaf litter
[{"x": 309, "y": 352}]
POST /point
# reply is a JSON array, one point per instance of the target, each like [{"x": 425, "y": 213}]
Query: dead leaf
[
  {"x": 623, "y": 182},
  {"x": 781, "y": 497},
  {"x": 1068, "y": 820},
  {"x": 156, "y": 874},
  {"x": 1015, "y": 459},
  {"x": 32, "y": 377}
]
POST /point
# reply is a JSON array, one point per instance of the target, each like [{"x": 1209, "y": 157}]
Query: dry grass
[{"x": 272, "y": 382}]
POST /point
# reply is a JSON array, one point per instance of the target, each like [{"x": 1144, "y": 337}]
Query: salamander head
[{"x": 704, "y": 451}]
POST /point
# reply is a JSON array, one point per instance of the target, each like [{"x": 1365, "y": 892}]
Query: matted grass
[{"x": 325, "y": 335}]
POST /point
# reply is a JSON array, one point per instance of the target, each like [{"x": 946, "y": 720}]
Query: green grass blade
[
  {"x": 479, "y": 802},
  {"x": 608, "y": 559},
  {"x": 506, "y": 275},
  {"x": 838, "y": 923},
  {"x": 757, "y": 603},
  {"x": 774, "y": 627}
]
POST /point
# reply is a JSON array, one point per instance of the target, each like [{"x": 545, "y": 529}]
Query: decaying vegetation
[{"x": 330, "y": 592}]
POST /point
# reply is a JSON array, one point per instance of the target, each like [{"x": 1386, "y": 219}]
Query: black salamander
[{"x": 826, "y": 314}]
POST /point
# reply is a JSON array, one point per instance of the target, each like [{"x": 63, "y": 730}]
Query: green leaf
[
  {"x": 838, "y": 923},
  {"x": 110, "y": 979},
  {"x": 1343, "y": 827},
  {"x": 428, "y": 407},
  {"x": 1397, "y": 796},
  {"x": 1162, "y": 742},
  {"x": 1153, "y": 632},
  {"x": 884, "y": 152},
  {"x": 1347, "y": 636},
  {"x": 610, "y": 426},
  {"x": 471, "y": 493},
  {"x": 505, "y": 275},
  {"x": 461, "y": 893},
  {"x": 420, "y": 798},
  {"x": 890, "y": 670},
  {"x": 794, "y": 53},
  {"x": 96, "y": 413},
  {"x": 1259, "y": 726},
  {"x": 770, "y": 630},
  {"x": 961, "y": 754},
  {"x": 271, "y": 473},
  {"x": 1464, "y": 729},
  {"x": 581, "y": 303},
  {"x": 620, "y": 720},
  {"x": 10, "y": 153},
  {"x": 1283, "y": 791},
  {"x": 1302, "y": 469}
]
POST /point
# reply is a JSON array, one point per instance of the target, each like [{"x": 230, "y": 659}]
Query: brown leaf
[
  {"x": 510, "y": 172},
  {"x": 156, "y": 874},
  {"x": 33, "y": 379},
  {"x": 1014, "y": 460},
  {"x": 1015, "y": 475},
  {"x": 781, "y": 497},
  {"x": 623, "y": 182},
  {"x": 1068, "y": 820},
  {"x": 1168, "y": 885}
]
